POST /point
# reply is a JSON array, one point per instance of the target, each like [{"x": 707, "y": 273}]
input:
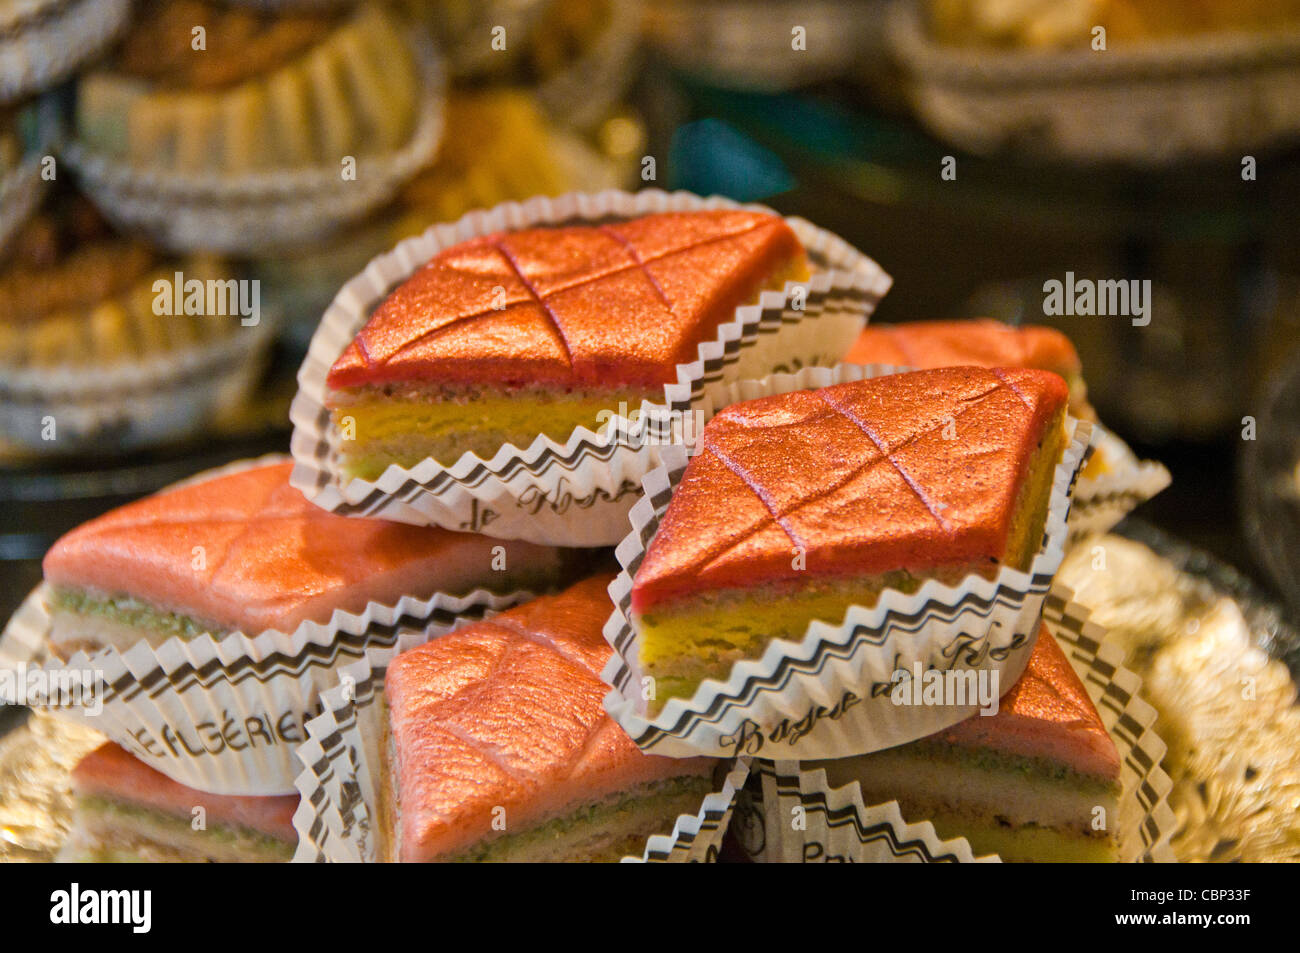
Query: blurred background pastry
[
  {"x": 267, "y": 92},
  {"x": 766, "y": 45},
  {"x": 1061, "y": 23},
  {"x": 108, "y": 345},
  {"x": 480, "y": 37},
  {"x": 216, "y": 127},
  {"x": 74, "y": 294}
]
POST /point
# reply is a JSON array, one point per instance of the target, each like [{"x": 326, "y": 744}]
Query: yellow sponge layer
[
  {"x": 1025, "y": 844},
  {"x": 1035, "y": 498},
  {"x": 407, "y": 430},
  {"x": 720, "y": 627}
]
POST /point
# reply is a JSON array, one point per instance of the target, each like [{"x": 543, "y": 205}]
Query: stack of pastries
[
  {"x": 240, "y": 554},
  {"x": 493, "y": 738}
]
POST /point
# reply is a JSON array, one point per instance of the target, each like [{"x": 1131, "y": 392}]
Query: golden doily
[{"x": 1227, "y": 711}]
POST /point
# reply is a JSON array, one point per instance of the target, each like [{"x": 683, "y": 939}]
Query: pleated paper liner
[
  {"x": 221, "y": 715},
  {"x": 579, "y": 492},
  {"x": 839, "y": 827},
  {"x": 43, "y": 44},
  {"x": 241, "y": 214},
  {"x": 337, "y": 815},
  {"x": 1102, "y": 501},
  {"x": 133, "y": 402},
  {"x": 1099, "y": 502},
  {"x": 1102, "y": 106},
  {"x": 827, "y": 695}
]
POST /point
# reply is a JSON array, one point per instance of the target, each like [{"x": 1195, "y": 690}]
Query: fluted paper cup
[
  {"x": 589, "y": 86},
  {"x": 1103, "y": 500},
  {"x": 753, "y": 44},
  {"x": 1217, "y": 93},
  {"x": 247, "y": 213},
  {"x": 131, "y": 403},
  {"x": 578, "y": 492},
  {"x": 838, "y": 827}
]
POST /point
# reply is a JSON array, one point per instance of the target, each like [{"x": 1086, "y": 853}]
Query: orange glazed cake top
[
  {"x": 110, "y": 772},
  {"x": 508, "y": 713},
  {"x": 581, "y": 306},
  {"x": 984, "y": 342},
  {"x": 247, "y": 551},
  {"x": 1047, "y": 714},
  {"x": 910, "y": 471}
]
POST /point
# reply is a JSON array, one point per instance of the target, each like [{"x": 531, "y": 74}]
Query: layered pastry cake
[
  {"x": 74, "y": 293},
  {"x": 267, "y": 92},
  {"x": 509, "y": 336},
  {"x": 499, "y": 748},
  {"x": 922, "y": 345},
  {"x": 246, "y": 552},
  {"x": 1038, "y": 781},
  {"x": 126, "y": 812},
  {"x": 986, "y": 343},
  {"x": 800, "y": 505}
]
